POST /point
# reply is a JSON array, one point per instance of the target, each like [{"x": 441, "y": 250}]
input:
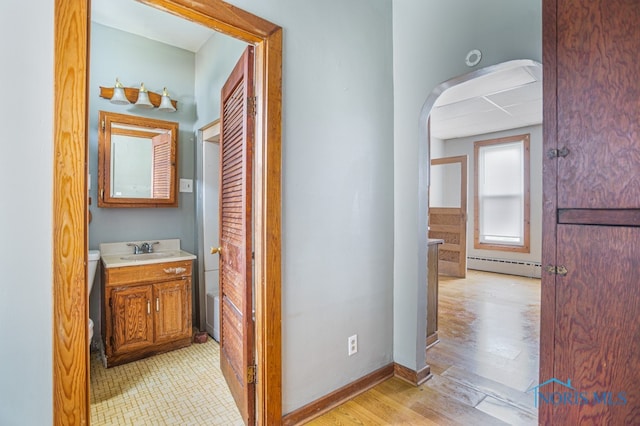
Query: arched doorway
[{"x": 425, "y": 154}]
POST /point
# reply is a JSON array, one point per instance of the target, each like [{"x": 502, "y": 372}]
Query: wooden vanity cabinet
[{"x": 147, "y": 310}]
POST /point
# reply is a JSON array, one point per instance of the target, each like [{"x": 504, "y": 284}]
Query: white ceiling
[
  {"x": 496, "y": 101},
  {"x": 501, "y": 100},
  {"x": 137, "y": 18}
]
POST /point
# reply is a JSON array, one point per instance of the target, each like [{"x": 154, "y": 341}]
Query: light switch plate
[{"x": 186, "y": 185}]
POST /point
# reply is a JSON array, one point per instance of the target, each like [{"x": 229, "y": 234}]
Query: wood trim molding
[
  {"x": 608, "y": 217},
  {"x": 70, "y": 306},
  {"x": 268, "y": 207},
  {"x": 477, "y": 244},
  {"x": 70, "y": 299},
  {"x": 337, "y": 397},
  {"x": 211, "y": 132},
  {"x": 549, "y": 200},
  {"x": 432, "y": 339},
  {"x": 220, "y": 16},
  {"x": 414, "y": 377}
]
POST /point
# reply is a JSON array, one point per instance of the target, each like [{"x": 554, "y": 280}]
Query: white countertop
[{"x": 116, "y": 255}]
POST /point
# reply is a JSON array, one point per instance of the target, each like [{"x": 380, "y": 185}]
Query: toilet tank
[{"x": 94, "y": 257}]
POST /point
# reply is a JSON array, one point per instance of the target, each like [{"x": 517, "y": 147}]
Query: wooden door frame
[
  {"x": 462, "y": 159},
  {"x": 70, "y": 210},
  {"x": 549, "y": 200}
]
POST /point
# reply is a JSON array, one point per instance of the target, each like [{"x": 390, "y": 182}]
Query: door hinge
[
  {"x": 112, "y": 341},
  {"x": 103, "y": 126},
  {"x": 251, "y": 374},
  {"x": 252, "y": 102},
  {"x": 555, "y": 153},
  {"x": 102, "y": 194},
  {"x": 110, "y": 303},
  {"x": 557, "y": 270}
]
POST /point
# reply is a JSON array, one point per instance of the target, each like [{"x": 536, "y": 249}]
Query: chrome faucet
[
  {"x": 148, "y": 247},
  {"x": 136, "y": 248}
]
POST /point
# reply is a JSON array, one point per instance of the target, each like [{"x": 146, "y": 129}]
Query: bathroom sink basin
[
  {"x": 120, "y": 255},
  {"x": 147, "y": 256}
]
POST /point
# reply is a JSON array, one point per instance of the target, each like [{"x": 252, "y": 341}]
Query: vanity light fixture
[
  {"x": 119, "y": 97},
  {"x": 165, "y": 102},
  {"x": 143, "y": 98}
]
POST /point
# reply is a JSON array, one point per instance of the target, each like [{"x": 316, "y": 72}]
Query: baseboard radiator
[
  {"x": 504, "y": 266},
  {"x": 213, "y": 316}
]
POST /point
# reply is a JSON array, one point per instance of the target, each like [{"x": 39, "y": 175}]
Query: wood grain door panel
[
  {"x": 597, "y": 326},
  {"x": 237, "y": 352},
  {"x": 597, "y": 107},
  {"x": 450, "y": 225},
  {"x": 132, "y": 318},
  {"x": 172, "y": 302}
]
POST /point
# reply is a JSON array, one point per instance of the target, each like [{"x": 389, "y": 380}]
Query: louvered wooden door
[
  {"x": 237, "y": 355},
  {"x": 161, "y": 162}
]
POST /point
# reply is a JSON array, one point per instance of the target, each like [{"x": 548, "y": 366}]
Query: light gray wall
[
  {"x": 430, "y": 42},
  {"x": 464, "y": 146},
  {"x": 337, "y": 190},
  {"x": 134, "y": 59},
  {"x": 26, "y": 170},
  {"x": 214, "y": 62},
  {"x": 338, "y": 171}
]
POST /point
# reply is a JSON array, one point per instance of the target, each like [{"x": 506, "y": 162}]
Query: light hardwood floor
[{"x": 486, "y": 360}]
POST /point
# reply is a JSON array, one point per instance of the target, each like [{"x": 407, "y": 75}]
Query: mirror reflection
[{"x": 137, "y": 161}]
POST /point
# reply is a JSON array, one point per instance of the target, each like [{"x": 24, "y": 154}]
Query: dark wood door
[
  {"x": 598, "y": 103},
  {"x": 597, "y": 325},
  {"x": 590, "y": 333},
  {"x": 237, "y": 357}
]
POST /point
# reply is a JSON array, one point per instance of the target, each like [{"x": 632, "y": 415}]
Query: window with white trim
[{"x": 502, "y": 194}]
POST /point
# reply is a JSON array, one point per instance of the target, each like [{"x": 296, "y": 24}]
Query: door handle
[{"x": 215, "y": 250}]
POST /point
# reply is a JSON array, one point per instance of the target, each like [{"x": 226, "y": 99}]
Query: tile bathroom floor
[{"x": 182, "y": 387}]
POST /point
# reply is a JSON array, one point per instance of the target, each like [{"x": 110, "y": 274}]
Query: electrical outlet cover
[{"x": 353, "y": 345}]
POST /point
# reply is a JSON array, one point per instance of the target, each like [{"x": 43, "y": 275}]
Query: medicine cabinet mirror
[{"x": 137, "y": 159}]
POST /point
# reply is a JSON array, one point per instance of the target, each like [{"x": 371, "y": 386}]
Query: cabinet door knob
[
  {"x": 157, "y": 304},
  {"x": 148, "y": 307}
]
